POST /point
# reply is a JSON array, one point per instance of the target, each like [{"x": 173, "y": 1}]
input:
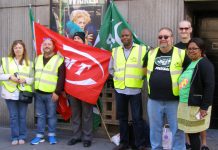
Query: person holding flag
[
  {"x": 126, "y": 68},
  {"x": 82, "y": 112},
  {"x": 49, "y": 83}
]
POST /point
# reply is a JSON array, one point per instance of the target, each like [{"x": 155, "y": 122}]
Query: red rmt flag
[{"x": 86, "y": 66}]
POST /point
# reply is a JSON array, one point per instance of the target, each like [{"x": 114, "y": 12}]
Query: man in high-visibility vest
[
  {"x": 126, "y": 68},
  {"x": 163, "y": 65},
  {"x": 49, "y": 83}
]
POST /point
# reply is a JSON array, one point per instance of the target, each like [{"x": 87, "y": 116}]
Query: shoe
[
  {"x": 73, "y": 141},
  {"x": 14, "y": 142},
  {"x": 204, "y": 147},
  {"x": 37, "y": 140},
  {"x": 121, "y": 147},
  {"x": 21, "y": 141},
  {"x": 52, "y": 140},
  {"x": 188, "y": 146},
  {"x": 87, "y": 143}
]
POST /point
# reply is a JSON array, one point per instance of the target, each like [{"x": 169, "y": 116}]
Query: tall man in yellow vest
[
  {"x": 49, "y": 83},
  {"x": 126, "y": 68},
  {"x": 163, "y": 65}
]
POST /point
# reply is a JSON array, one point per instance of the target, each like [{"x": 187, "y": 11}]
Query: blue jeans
[
  {"x": 17, "y": 112},
  {"x": 156, "y": 111},
  {"x": 45, "y": 110},
  {"x": 122, "y": 102}
]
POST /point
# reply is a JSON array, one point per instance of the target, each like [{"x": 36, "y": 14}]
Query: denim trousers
[
  {"x": 156, "y": 111},
  {"x": 122, "y": 105},
  {"x": 17, "y": 112},
  {"x": 45, "y": 110}
]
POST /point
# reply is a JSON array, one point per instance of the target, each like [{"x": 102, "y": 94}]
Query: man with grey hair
[
  {"x": 163, "y": 66},
  {"x": 185, "y": 31}
]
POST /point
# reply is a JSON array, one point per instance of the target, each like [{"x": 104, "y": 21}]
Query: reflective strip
[
  {"x": 54, "y": 67},
  {"x": 24, "y": 74},
  {"x": 180, "y": 52},
  {"x": 47, "y": 72},
  {"x": 152, "y": 51},
  {"x": 115, "y": 59},
  {"x": 134, "y": 65},
  {"x": 45, "y": 81},
  {"x": 148, "y": 72},
  {"x": 191, "y": 123},
  {"x": 119, "y": 69},
  {"x": 133, "y": 76},
  {"x": 139, "y": 55},
  {"x": 7, "y": 64},
  {"x": 175, "y": 84},
  {"x": 118, "y": 78},
  {"x": 177, "y": 72}
]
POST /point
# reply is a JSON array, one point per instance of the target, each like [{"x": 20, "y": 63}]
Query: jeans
[
  {"x": 122, "y": 101},
  {"x": 45, "y": 109},
  {"x": 17, "y": 112},
  {"x": 156, "y": 111}
]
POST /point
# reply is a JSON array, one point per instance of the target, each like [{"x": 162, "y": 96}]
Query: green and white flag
[{"x": 110, "y": 31}]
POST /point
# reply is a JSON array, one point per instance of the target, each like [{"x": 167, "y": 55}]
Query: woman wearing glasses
[
  {"x": 16, "y": 74},
  {"x": 196, "y": 87}
]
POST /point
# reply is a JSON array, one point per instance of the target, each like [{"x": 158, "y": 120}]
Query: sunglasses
[
  {"x": 185, "y": 28},
  {"x": 164, "y": 36}
]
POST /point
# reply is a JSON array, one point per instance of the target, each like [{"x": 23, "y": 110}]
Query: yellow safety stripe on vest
[
  {"x": 119, "y": 69},
  {"x": 57, "y": 60},
  {"x": 45, "y": 71},
  {"x": 133, "y": 76}
]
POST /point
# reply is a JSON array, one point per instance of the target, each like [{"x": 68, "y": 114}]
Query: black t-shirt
[
  {"x": 160, "y": 79},
  {"x": 181, "y": 45}
]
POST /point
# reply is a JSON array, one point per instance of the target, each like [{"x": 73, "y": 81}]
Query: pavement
[{"x": 64, "y": 135}]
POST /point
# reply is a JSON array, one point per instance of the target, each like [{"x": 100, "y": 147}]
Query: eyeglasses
[
  {"x": 185, "y": 28},
  {"x": 163, "y": 36},
  {"x": 193, "y": 48}
]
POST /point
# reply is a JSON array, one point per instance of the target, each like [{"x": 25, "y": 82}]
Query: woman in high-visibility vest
[{"x": 16, "y": 74}]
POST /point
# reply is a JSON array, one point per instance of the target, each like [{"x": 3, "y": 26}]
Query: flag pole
[{"x": 104, "y": 123}]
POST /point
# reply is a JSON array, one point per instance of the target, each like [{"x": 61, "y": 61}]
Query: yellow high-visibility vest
[
  {"x": 46, "y": 76},
  {"x": 178, "y": 56},
  {"x": 10, "y": 67},
  {"x": 128, "y": 73}
]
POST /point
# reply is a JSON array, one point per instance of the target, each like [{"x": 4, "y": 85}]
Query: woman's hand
[
  {"x": 22, "y": 81},
  {"x": 14, "y": 79},
  {"x": 203, "y": 113}
]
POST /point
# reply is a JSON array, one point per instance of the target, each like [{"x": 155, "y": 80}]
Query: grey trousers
[{"x": 82, "y": 119}]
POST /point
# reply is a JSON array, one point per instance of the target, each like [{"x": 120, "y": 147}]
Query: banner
[
  {"x": 110, "y": 31},
  {"x": 86, "y": 66}
]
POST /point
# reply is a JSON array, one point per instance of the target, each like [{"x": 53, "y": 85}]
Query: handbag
[{"x": 26, "y": 97}]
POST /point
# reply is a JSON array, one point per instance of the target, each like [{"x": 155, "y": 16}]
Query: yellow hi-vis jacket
[
  {"x": 10, "y": 67},
  {"x": 178, "y": 56},
  {"x": 128, "y": 73},
  {"x": 46, "y": 76}
]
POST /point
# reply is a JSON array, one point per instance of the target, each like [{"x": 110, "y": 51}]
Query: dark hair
[
  {"x": 199, "y": 42},
  {"x": 25, "y": 56}
]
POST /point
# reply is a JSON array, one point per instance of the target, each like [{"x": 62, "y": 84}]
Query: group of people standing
[
  {"x": 180, "y": 85},
  {"x": 47, "y": 76}
]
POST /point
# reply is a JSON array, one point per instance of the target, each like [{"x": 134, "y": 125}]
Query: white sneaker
[{"x": 14, "y": 142}]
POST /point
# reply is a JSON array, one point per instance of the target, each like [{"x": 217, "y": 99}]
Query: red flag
[{"x": 86, "y": 66}]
